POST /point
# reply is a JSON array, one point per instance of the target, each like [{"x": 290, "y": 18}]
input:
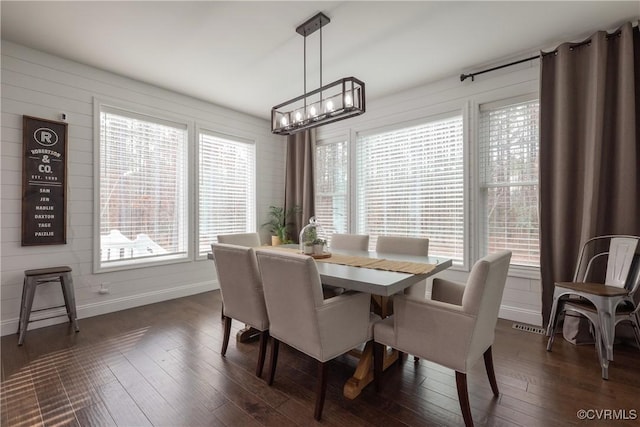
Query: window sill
[
  {"x": 156, "y": 262},
  {"x": 524, "y": 272}
]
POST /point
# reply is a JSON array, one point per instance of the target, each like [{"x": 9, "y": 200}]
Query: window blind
[
  {"x": 410, "y": 182},
  {"x": 331, "y": 185},
  {"x": 508, "y": 154},
  {"x": 226, "y": 187},
  {"x": 143, "y": 188}
]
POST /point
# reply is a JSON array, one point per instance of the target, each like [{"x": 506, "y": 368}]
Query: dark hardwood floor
[{"x": 160, "y": 365}]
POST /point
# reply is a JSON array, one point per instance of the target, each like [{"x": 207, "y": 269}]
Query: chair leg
[
  {"x": 264, "y": 337},
  {"x": 274, "y": 359},
  {"x": 636, "y": 326},
  {"x": 602, "y": 355},
  {"x": 227, "y": 332},
  {"x": 606, "y": 312},
  {"x": 321, "y": 389},
  {"x": 551, "y": 336},
  {"x": 22, "y": 301},
  {"x": 552, "y": 317},
  {"x": 488, "y": 363},
  {"x": 27, "y": 303},
  {"x": 463, "y": 397},
  {"x": 378, "y": 363},
  {"x": 601, "y": 349},
  {"x": 554, "y": 320}
]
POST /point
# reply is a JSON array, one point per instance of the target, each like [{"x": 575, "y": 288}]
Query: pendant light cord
[
  {"x": 304, "y": 70},
  {"x": 321, "y": 56}
]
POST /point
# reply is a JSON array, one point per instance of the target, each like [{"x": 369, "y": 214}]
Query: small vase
[
  {"x": 308, "y": 249},
  {"x": 318, "y": 249},
  {"x": 275, "y": 241}
]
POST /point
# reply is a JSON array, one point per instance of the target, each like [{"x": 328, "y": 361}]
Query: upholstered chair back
[
  {"x": 293, "y": 292},
  {"x": 300, "y": 317},
  {"x": 240, "y": 284},
  {"x": 251, "y": 240},
  {"x": 406, "y": 246},
  {"x": 403, "y": 245},
  {"x": 482, "y": 297},
  {"x": 350, "y": 242}
]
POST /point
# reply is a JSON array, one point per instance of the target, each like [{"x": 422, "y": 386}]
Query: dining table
[{"x": 377, "y": 273}]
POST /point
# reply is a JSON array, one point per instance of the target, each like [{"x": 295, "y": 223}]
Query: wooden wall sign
[{"x": 44, "y": 176}]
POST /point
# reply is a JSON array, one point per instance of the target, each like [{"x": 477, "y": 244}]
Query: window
[
  {"x": 508, "y": 152},
  {"x": 410, "y": 182},
  {"x": 143, "y": 192},
  {"x": 226, "y": 187},
  {"x": 331, "y": 185}
]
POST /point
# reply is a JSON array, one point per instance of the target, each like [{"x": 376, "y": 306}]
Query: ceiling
[{"x": 247, "y": 56}]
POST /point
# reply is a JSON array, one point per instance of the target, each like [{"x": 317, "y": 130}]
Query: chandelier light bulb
[
  {"x": 312, "y": 111},
  {"x": 329, "y": 105},
  {"x": 298, "y": 116},
  {"x": 348, "y": 101},
  {"x": 283, "y": 121}
]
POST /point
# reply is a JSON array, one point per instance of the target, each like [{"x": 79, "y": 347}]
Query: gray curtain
[
  {"x": 299, "y": 195},
  {"x": 589, "y": 149}
]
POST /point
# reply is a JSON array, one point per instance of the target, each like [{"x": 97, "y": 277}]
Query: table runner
[{"x": 374, "y": 263}]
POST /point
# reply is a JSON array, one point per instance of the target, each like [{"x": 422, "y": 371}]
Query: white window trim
[
  {"x": 199, "y": 128},
  {"x": 159, "y": 115}
]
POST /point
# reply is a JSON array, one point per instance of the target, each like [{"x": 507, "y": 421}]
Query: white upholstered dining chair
[
  {"x": 251, "y": 240},
  {"x": 399, "y": 245},
  {"x": 242, "y": 293},
  {"x": 455, "y": 330},
  {"x": 349, "y": 242},
  {"x": 301, "y": 318},
  {"x": 406, "y": 246}
]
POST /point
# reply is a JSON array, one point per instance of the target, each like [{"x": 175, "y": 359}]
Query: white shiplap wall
[
  {"x": 522, "y": 296},
  {"x": 42, "y": 85}
]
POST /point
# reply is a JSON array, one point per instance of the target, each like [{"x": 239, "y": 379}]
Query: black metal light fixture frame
[{"x": 335, "y": 101}]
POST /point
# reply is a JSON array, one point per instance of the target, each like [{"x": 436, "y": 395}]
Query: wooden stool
[{"x": 33, "y": 278}]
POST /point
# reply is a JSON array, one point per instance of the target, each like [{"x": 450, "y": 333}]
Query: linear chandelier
[{"x": 336, "y": 101}]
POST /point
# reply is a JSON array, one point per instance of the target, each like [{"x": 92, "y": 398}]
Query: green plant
[
  {"x": 319, "y": 242},
  {"x": 279, "y": 222},
  {"x": 310, "y": 235}
]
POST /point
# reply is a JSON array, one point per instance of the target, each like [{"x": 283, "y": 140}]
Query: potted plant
[
  {"x": 309, "y": 234},
  {"x": 312, "y": 235},
  {"x": 318, "y": 246},
  {"x": 307, "y": 247},
  {"x": 279, "y": 223}
]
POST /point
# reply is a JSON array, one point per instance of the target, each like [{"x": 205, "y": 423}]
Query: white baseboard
[
  {"x": 530, "y": 317},
  {"x": 10, "y": 326}
]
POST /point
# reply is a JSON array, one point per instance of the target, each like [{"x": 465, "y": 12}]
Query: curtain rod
[{"x": 463, "y": 77}]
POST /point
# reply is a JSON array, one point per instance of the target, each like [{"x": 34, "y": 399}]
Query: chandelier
[{"x": 335, "y": 101}]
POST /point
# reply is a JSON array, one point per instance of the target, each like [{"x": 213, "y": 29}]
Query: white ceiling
[{"x": 248, "y": 57}]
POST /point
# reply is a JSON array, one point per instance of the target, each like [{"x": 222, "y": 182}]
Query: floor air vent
[{"x": 529, "y": 328}]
